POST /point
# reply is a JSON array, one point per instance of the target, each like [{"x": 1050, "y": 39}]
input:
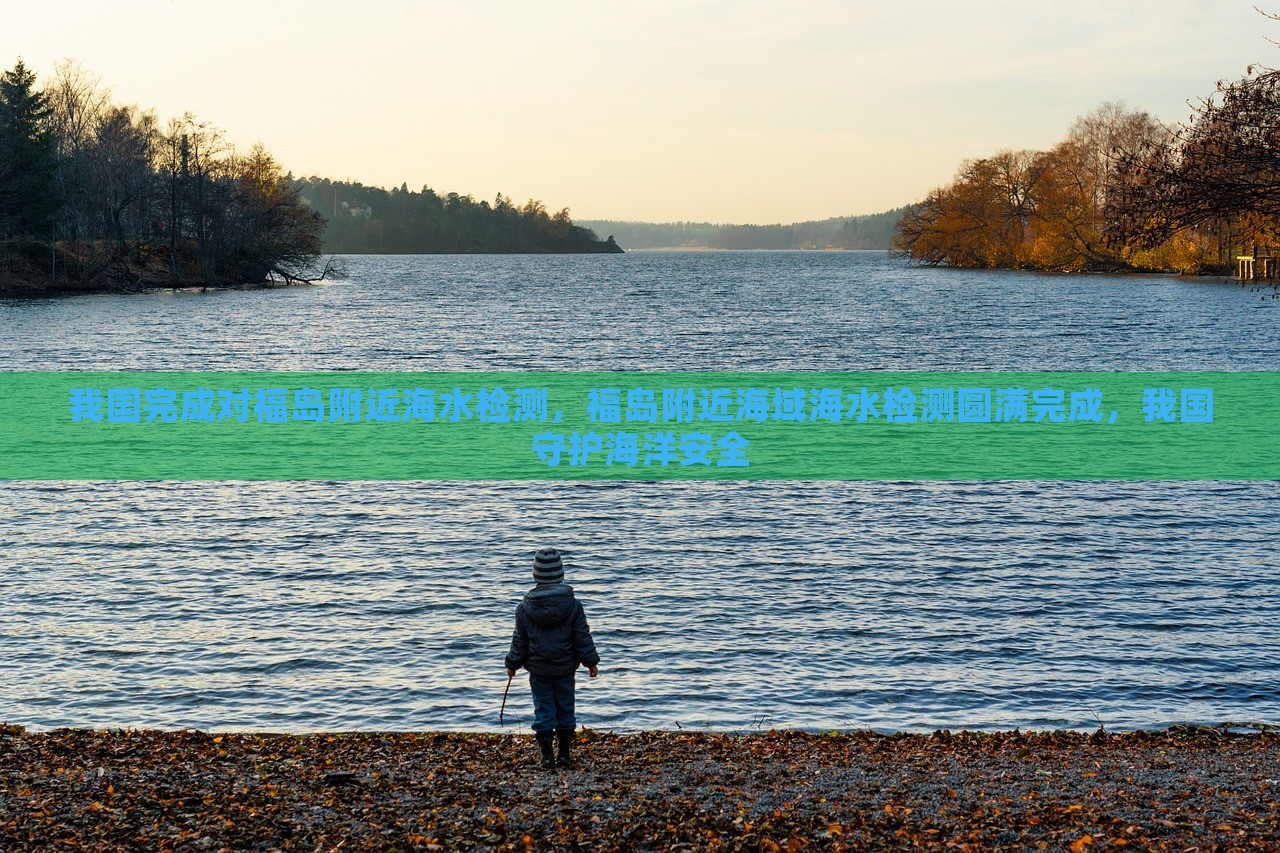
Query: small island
[{"x": 99, "y": 197}]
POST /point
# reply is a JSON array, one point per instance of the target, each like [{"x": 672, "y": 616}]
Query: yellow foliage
[{"x": 1181, "y": 253}]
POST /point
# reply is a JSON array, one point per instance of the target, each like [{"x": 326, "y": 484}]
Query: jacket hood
[{"x": 549, "y": 605}]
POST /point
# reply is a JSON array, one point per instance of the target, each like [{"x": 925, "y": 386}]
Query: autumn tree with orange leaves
[{"x": 1034, "y": 209}]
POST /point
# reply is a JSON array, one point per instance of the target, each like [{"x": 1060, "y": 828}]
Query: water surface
[{"x": 308, "y": 606}]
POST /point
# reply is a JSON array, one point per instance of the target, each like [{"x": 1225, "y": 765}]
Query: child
[{"x": 551, "y": 639}]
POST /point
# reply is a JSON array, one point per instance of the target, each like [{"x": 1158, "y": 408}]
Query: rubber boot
[
  {"x": 548, "y": 756},
  {"x": 565, "y": 736}
]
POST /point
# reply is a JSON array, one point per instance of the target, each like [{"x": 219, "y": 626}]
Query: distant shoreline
[{"x": 721, "y": 249}]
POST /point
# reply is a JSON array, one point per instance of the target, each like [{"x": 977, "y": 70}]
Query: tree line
[
  {"x": 99, "y": 195},
  {"x": 364, "y": 219},
  {"x": 868, "y": 231},
  {"x": 1120, "y": 192},
  {"x": 95, "y": 194}
]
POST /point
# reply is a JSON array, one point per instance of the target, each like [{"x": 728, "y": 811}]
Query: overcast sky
[{"x": 730, "y": 111}]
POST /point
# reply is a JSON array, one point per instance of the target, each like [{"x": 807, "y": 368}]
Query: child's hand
[
  {"x": 593, "y": 671},
  {"x": 511, "y": 673}
]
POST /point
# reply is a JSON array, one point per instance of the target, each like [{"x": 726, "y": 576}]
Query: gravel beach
[{"x": 1175, "y": 789}]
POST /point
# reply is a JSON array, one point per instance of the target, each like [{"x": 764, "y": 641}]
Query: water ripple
[{"x": 897, "y": 605}]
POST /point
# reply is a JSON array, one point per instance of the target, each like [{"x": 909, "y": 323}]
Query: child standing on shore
[{"x": 551, "y": 640}]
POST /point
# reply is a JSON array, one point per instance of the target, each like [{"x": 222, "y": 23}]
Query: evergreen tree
[{"x": 27, "y": 200}]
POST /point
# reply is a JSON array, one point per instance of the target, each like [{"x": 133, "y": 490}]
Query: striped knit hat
[{"x": 547, "y": 567}]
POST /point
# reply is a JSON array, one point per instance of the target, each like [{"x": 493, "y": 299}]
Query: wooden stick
[{"x": 503, "y": 709}]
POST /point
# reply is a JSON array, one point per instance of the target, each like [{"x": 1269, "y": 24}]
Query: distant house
[{"x": 365, "y": 212}]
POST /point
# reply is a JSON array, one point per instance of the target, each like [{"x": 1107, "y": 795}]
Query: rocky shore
[{"x": 1176, "y": 789}]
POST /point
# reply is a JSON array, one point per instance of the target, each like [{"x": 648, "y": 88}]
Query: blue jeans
[{"x": 552, "y": 703}]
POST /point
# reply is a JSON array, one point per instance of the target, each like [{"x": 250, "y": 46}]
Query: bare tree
[
  {"x": 77, "y": 100},
  {"x": 1220, "y": 169}
]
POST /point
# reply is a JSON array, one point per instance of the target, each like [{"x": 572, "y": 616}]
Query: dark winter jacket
[{"x": 551, "y": 636}]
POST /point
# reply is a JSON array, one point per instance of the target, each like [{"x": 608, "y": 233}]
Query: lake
[{"x": 730, "y": 606}]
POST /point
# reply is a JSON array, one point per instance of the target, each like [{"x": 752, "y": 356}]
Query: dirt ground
[{"x": 1178, "y": 789}]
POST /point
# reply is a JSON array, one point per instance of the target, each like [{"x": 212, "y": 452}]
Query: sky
[{"x": 732, "y": 111}]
